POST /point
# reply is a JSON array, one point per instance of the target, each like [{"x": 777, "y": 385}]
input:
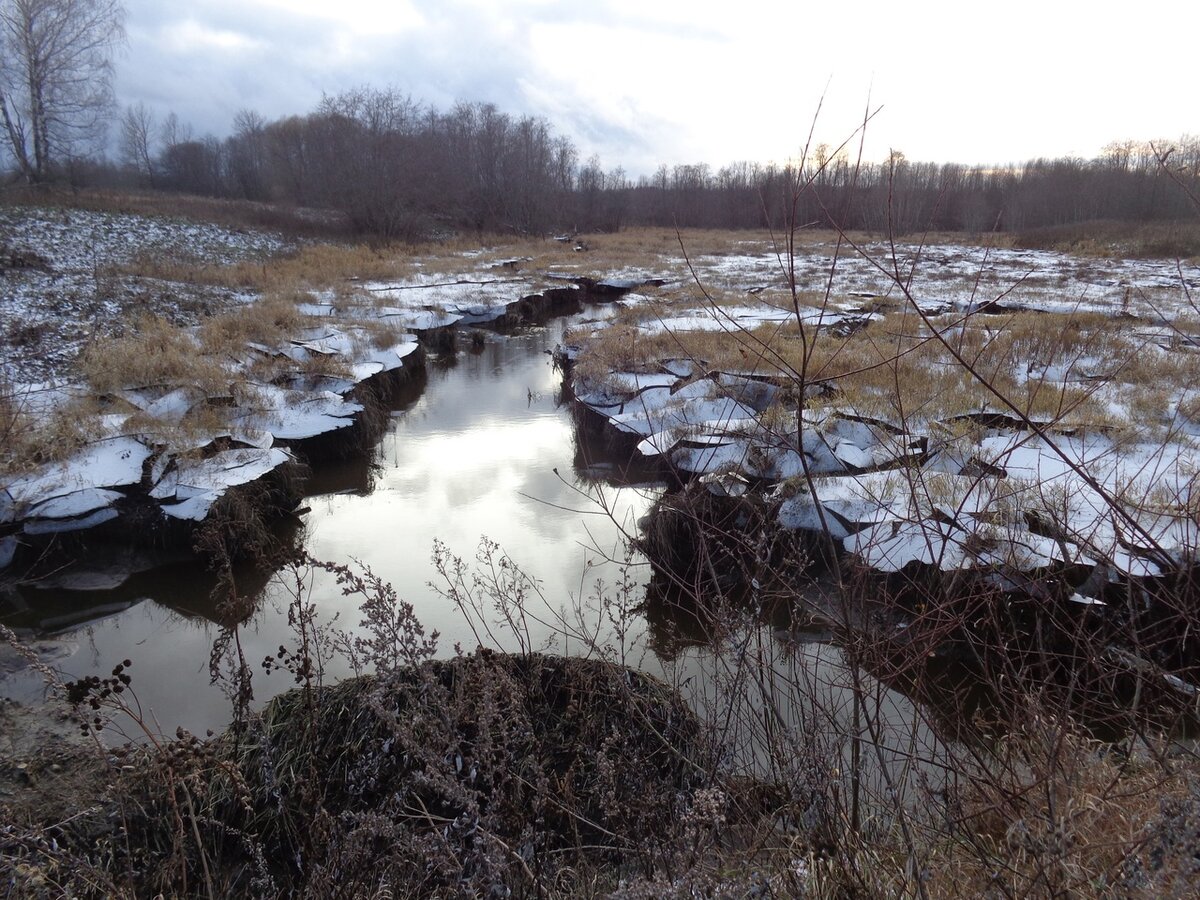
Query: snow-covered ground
[
  {"x": 959, "y": 277},
  {"x": 165, "y": 442},
  {"x": 73, "y": 291}
]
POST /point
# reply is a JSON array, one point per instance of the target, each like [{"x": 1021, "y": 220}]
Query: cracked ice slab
[
  {"x": 199, "y": 483},
  {"x": 293, "y": 415},
  {"x": 111, "y": 462}
]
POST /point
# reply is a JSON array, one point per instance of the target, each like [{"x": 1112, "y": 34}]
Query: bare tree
[
  {"x": 174, "y": 132},
  {"x": 247, "y": 152},
  {"x": 137, "y": 129},
  {"x": 56, "y": 77}
]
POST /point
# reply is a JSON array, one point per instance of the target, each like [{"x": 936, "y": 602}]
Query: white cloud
[
  {"x": 192, "y": 37},
  {"x": 694, "y": 80}
]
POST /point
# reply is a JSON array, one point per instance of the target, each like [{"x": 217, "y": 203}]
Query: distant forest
[{"x": 400, "y": 169}]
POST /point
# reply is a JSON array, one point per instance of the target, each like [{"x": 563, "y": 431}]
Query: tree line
[
  {"x": 397, "y": 168},
  {"x": 392, "y": 166}
]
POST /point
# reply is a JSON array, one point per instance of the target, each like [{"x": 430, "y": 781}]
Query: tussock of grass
[
  {"x": 264, "y": 321},
  {"x": 156, "y": 353},
  {"x": 444, "y": 778},
  {"x": 29, "y": 441}
]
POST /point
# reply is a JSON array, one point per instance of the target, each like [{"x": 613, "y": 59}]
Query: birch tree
[{"x": 56, "y": 77}]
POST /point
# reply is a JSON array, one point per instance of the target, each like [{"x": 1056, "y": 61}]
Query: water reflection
[
  {"x": 481, "y": 446},
  {"x": 484, "y": 445}
]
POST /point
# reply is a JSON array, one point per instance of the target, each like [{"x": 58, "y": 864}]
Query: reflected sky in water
[
  {"x": 484, "y": 450},
  {"x": 481, "y": 447}
]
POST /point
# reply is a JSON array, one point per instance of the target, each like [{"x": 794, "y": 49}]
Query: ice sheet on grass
[
  {"x": 746, "y": 318},
  {"x": 614, "y": 390},
  {"x": 964, "y": 543},
  {"x": 426, "y": 319},
  {"x": 164, "y": 405},
  {"x": 848, "y": 503},
  {"x": 111, "y": 462},
  {"x": 382, "y": 359},
  {"x": 199, "y": 483},
  {"x": 1053, "y": 488},
  {"x": 77, "y": 503},
  {"x": 8, "y": 549},
  {"x": 473, "y": 299},
  {"x": 700, "y": 435},
  {"x": 60, "y": 526},
  {"x": 353, "y": 345},
  {"x": 890, "y": 546},
  {"x": 709, "y": 460},
  {"x": 193, "y": 509},
  {"x": 701, "y": 413},
  {"x": 292, "y": 415}
]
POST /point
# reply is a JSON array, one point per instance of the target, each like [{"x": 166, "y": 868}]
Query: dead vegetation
[
  {"x": 531, "y": 775},
  {"x": 1080, "y": 370},
  {"x": 1154, "y": 240}
]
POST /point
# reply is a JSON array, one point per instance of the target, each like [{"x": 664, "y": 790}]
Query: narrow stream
[
  {"x": 485, "y": 449},
  {"x": 482, "y": 446}
]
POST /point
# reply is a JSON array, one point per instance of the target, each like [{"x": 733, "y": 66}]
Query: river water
[{"x": 482, "y": 446}]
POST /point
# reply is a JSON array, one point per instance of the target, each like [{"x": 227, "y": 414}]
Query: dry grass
[
  {"x": 1155, "y": 240},
  {"x": 1061, "y": 815},
  {"x": 313, "y": 267},
  {"x": 30, "y": 441},
  {"x": 155, "y": 353},
  {"x": 265, "y": 321},
  {"x": 1074, "y": 370}
]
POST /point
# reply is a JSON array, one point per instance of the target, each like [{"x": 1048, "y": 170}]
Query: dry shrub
[{"x": 1055, "y": 813}]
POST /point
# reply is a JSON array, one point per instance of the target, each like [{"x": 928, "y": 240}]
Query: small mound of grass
[{"x": 449, "y": 778}]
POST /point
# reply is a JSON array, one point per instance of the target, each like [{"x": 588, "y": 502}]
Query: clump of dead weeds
[{"x": 448, "y": 778}]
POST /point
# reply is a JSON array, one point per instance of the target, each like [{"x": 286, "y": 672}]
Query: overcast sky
[{"x": 643, "y": 82}]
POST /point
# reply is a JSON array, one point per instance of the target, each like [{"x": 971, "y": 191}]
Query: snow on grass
[
  {"x": 50, "y": 310},
  {"x": 1112, "y": 392},
  {"x": 436, "y": 299}
]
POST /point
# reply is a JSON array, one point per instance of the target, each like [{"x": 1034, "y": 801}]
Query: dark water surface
[
  {"x": 483, "y": 446},
  {"x": 486, "y": 448}
]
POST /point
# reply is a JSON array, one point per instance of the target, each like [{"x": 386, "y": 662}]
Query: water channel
[{"x": 481, "y": 445}]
